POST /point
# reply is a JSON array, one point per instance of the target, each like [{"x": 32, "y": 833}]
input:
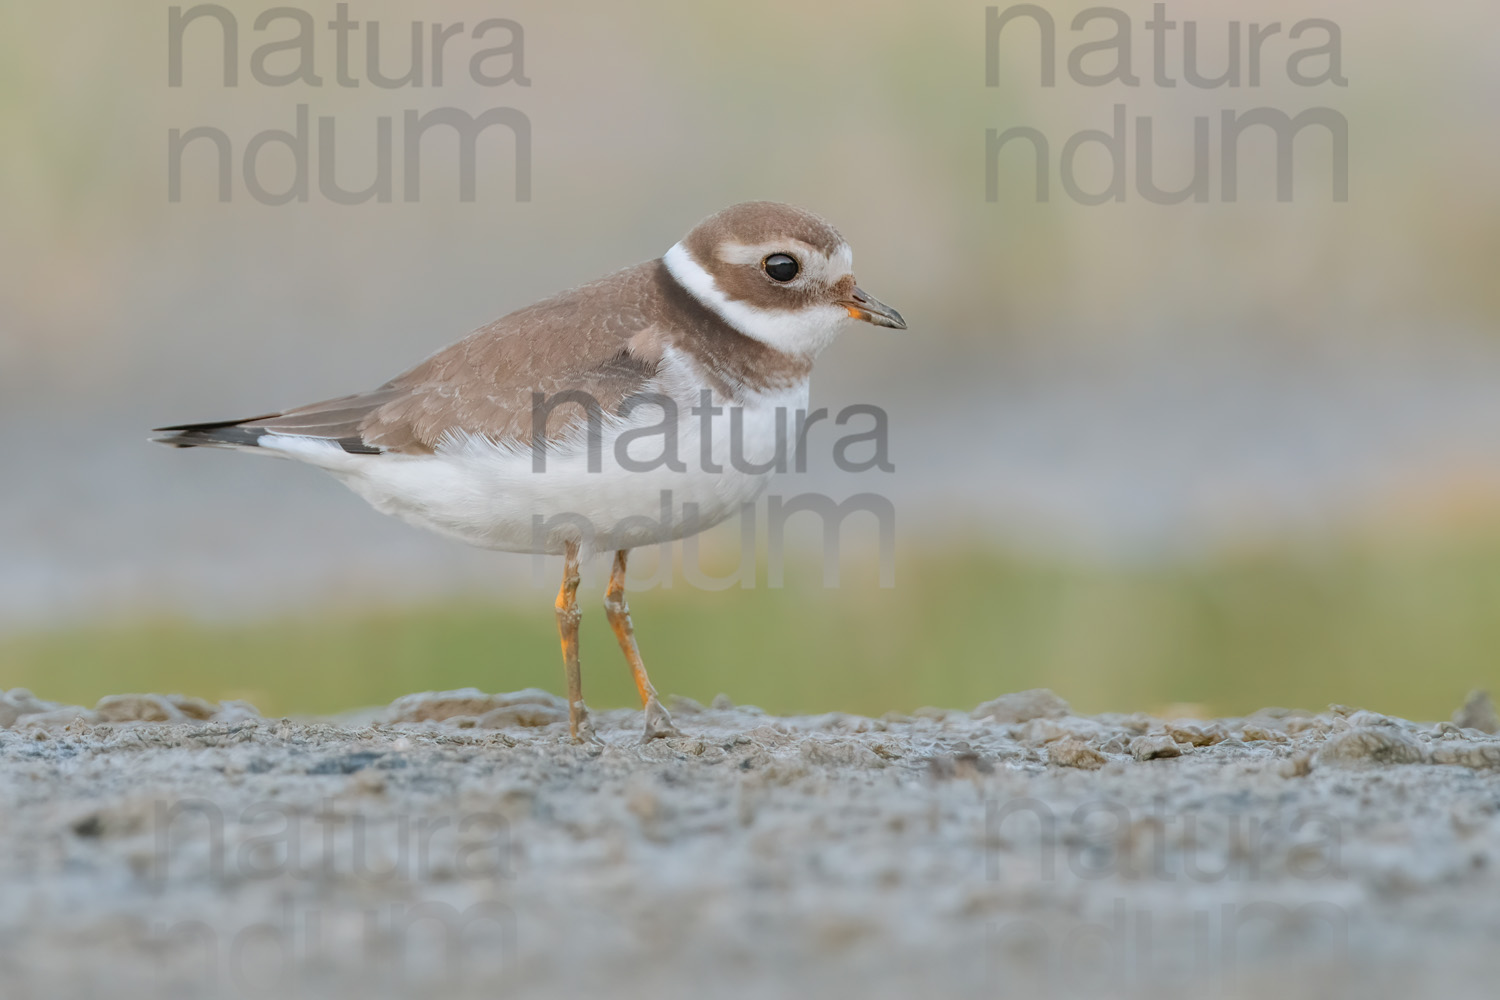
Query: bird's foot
[
  {"x": 658, "y": 722},
  {"x": 580, "y": 727}
]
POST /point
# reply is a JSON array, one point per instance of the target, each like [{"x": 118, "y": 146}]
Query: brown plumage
[{"x": 604, "y": 339}]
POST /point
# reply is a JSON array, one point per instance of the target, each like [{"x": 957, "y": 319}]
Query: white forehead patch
[{"x": 800, "y": 331}]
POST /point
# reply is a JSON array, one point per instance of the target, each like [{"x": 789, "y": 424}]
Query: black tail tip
[{"x": 208, "y": 435}]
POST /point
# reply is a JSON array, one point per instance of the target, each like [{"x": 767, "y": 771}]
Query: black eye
[{"x": 780, "y": 266}]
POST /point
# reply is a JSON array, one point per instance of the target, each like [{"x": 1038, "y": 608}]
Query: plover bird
[{"x": 640, "y": 408}]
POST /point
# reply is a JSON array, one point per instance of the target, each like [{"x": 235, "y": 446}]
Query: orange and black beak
[{"x": 862, "y": 305}]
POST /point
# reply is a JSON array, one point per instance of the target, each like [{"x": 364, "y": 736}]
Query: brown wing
[
  {"x": 589, "y": 339},
  {"x": 596, "y": 339}
]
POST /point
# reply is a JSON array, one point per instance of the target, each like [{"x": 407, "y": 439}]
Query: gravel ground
[{"x": 455, "y": 844}]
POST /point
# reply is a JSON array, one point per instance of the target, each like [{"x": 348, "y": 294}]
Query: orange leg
[
  {"x": 658, "y": 722},
  {"x": 568, "y": 617}
]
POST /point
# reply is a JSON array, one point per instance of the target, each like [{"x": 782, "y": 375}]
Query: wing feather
[{"x": 589, "y": 340}]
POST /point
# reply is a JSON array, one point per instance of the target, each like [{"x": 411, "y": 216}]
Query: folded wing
[{"x": 595, "y": 340}]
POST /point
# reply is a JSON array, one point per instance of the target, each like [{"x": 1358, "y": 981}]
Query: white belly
[{"x": 493, "y": 496}]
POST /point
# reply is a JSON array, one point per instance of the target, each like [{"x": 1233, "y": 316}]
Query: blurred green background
[
  {"x": 1220, "y": 454},
  {"x": 1399, "y": 628}
]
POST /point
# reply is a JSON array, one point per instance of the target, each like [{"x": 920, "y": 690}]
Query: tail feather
[
  {"x": 338, "y": 421},
  {"x": 221, "y": 433},
  {"x": 248, "y": 433}
]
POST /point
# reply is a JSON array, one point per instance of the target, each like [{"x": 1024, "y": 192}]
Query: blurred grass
[{"x": 1400, "y": 627}]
